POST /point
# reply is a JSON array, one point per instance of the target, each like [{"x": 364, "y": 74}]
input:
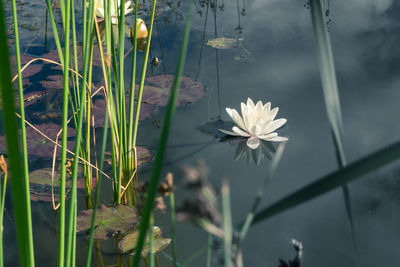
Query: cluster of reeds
[{"x": 123, "y": 117}]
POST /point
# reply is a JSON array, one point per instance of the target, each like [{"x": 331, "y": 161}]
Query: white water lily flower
[
  {"x": 99, "y": 9},
  {"x": 257, "y": 123}
]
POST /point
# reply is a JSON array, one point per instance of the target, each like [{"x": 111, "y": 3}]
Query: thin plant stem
[
  {"x": 61, "y": 247},
  {"x": 155, "y": 176},
  {"x": 227, "y": 223},
  {"x": 173, "y": 225},
  {"x": 23, "y": 131},
  {"x": 3, "y": 198},
  {"x": 97, "y": 191},
  {"x": 19, "y": 191},
  {"x": 209, "y": 250}
]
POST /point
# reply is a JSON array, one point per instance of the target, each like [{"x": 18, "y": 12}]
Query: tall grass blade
[
  {"x": 23, "y": 129},
  {"x": 97, "y": 191},
  {"x": 173, "y": 225},
  {"x": 3, "y": 188},
  {"x": 332, "y": 181},
  {"x": 61, "y": 248},
  {"x": 155, "y": 176},
  {"x": 227, "y": 223},
  {"x": 209, "y": 250},
  {"x": 19, "y": 191},
  {"x": 331, "y": 94},
  {"x": 256, "y": 203}
]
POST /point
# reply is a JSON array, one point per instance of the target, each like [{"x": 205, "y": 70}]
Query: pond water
[{"x": 276, "y": 61}]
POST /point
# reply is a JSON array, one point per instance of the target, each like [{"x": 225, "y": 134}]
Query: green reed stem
[
  {"x": 61, "y": 248},
  {"x": 227, "y": 223},
  {"x": 19, "y": 195},
  {"x": 55, "y": 33},
  {"x": 143, "y": 75},
  {"x": 257, "y": 200},
  {"x": 23, "y": 129},
  {"x": 173, "y": 225},
  {"x": 151, "y": 241},
  {"x": 133, "y": 83},
  {"x": 209, "y": 250},
  {"x": 332, "y": 102},
  {"x": 3, "y": 198},
  {"x": 157, "y": 166},
  {"x": 97, "y": 191}
]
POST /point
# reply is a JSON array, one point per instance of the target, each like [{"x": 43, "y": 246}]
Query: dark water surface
[{"x": 278, "y": 64}]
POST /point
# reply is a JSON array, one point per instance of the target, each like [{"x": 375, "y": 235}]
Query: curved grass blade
[
  {"x": 155, "y": 176},
  {"x": 227, "y": 223},
  {"x": 331, "y": 94},
  {"x": 20, "y": 198},
  {"x": 332, "y": 181}
]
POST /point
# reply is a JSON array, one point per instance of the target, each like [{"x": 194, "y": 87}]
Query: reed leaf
[
  {"x": 20, "y": 198},
  {"x": 332, "y": 181},
  {"x": 227, "y": 223},
  {"x": 158, "y": 161}
]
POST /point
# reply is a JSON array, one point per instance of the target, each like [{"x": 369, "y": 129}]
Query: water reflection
[{"x": 265, "y": 150}]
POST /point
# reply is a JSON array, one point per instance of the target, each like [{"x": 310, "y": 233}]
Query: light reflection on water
[{"x": 281, "y": 67}]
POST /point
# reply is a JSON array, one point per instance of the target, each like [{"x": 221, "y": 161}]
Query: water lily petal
[
  {"x": 256, "y": 130},
  {"x": 267, "y": 107},
  {"x": 253, "y": 142},
  {"x": 228, "y": 132},
  {"x": 278, "y": 139},
  {"x": 268, "y": 137},
  {"x": 240, "y": 131},
  {"x": 128, "y": 8},
  {"x": 250, "y": 103},
  {"x": 275, "y": 125},
  {"x": 273, "y": 113},
  {"x": 259, "y": 107},
  {"x": 236, "y": 117}
]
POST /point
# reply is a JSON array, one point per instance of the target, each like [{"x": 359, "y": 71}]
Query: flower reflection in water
[{"x": 264, "y": 150}]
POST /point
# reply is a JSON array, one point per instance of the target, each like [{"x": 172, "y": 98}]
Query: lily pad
[
  {"x": 129, "y": 242},
  {"x": 143, "y": 155},
  {"x": 53, "y": 55},
  {"x": 30, "y": 70},
  {"x": 190, "y": 90},
  {"x": 109, "y": 220},
  {"x": 40, "y": 185},
  {"x": 212, "y": 127},
  {"x": 37, "y": 144},
  {"x": 224, "y": 43},
  {"x": 100, "y": 105},
  {"x": 53, "y": 82}
]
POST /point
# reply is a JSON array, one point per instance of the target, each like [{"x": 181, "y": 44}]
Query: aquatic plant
[
  {"x": 114, "y": 9},
  {"x": 257, "y": 122}
]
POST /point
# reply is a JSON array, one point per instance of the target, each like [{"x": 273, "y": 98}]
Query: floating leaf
[
  {"x": 224, "y": 43},
  {"x": 31, "y": 70},
  {"x": 53, "y": 55},
  {"x": 54, "y": 82},
  {"x": 189, "y": 91},
  {"x": 143, "y": 155},
  {"x": 212, "y": 127},
  {"x": 129, "y": 242},
  {"x": 37, "y": 144},
  {"x": 40, "y": 185},
  {"x": 100, "y": 105},
  {"x": 109, "y": 220}
]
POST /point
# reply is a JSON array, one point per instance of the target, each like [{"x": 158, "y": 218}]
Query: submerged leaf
[
  {"x": 224, "y": 43},
  {"x": 143, "y": 156},
  {"x": 40, "y": 185},
  {"x": 37, "y": 144},
  {"x": 109, "y": 220},
  {"x": 189, "y": 91},
  {"x": 130, "y": 240}
]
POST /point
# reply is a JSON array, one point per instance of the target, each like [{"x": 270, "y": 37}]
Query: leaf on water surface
[
  {"x": 143, "y": 155},
  {"x": 129, "y": 242},
  {"x": 31, "y": 97},
  {"x": 55, "y": 82},
  {"x": 100, "y": 105},
  {"x": 53, "y": 55},
  {"x": 212, "y": 128},
  {"x": 40, "y": 185},
  {"x": 109, "y": 220},
  {"x": 189, "y": 91},
  {"x": 31, "y": 70},
  {"x": 224, "y": 43},
  {"x": 37, "y": 144}
]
